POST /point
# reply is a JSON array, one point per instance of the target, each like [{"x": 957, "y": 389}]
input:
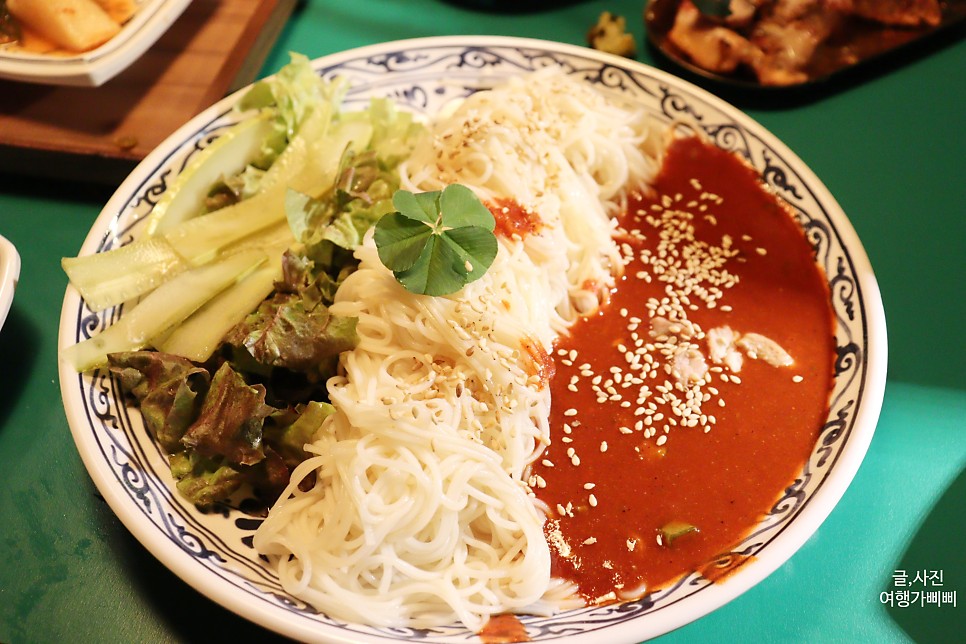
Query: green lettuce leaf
[
  {"x": 362, "y": 194},
  {"x": 294, "y": 332},
  {"x": 169, "y": 389},
  {"x": 289, "y": 431},
  {"x": 218, "y": 431},
  {"x": 204, "y": 481},
  {"x": 292, "y": 94},
  {"x": 230, "y": 421}
]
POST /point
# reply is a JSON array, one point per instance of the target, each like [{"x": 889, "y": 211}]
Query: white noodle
[{"x": 419, "y": 514}]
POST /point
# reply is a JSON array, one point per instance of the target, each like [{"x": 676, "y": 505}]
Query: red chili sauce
[
  {"x": 511, "y": 220},
  {"x": 505, "y": 628},
  {"x": 751, "y": 434}
]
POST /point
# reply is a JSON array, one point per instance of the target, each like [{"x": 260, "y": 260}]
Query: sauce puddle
[{"x": 638, "y": 445}]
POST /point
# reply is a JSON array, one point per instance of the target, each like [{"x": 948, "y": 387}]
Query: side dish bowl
[
  {"x": 860, "y": 46},
  {"x": 9, "y": 274},
  {"x": 212, "y": 551},
  {"x": 95, "y": 67}
]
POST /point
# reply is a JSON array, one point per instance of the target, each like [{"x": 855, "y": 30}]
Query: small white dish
[
  {"x": 9, "y": 274},
  {"x": 212, "y": 551},
  {"x": 95, "y": 67}
]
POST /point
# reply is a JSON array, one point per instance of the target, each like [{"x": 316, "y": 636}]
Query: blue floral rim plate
[{"x": 212, "y": 551}]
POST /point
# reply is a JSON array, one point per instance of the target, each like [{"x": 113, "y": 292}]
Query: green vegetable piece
[
  {"x": 199, "y": 335},
  {"x": 229, "y": 154},
  {"x": 714, "y": 8},
  {"x": 290, "y": 440},
  {"x": 460, "y": 207},
  {"x": 230, "y": 422},
  {"x": 437, "y": 242},
  {"x": 124, "y": 273},
  {"x": 168, "y": 388},
  {"x": 401, "y": 241},
  {"x": 301, "y": 210},
  {"x": 162, "y": 309},
  {"x": 293, "y": 331},
  {"x": 204, "y": 481},
  {"x": 674, "y": 530}
]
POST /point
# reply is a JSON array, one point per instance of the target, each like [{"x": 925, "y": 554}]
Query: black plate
[{"x": 864, "y": 45}]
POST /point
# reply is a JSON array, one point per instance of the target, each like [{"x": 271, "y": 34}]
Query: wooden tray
[{"x": 99, "y": 134}]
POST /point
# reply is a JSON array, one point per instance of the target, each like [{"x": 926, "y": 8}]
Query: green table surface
[{"x": 889, "y": 144}]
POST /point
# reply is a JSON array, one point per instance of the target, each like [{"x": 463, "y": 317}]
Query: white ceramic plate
[
  {"x": 211, "y": 551},
  {"x": 95, "y": 67},
  {"x": 9, "y": 274}
]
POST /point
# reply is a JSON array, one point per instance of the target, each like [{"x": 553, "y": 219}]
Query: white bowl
[
  {"x": 97, "y": 66},
  {"x": 9, "y": 274}
]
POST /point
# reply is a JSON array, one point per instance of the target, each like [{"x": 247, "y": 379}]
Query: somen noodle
[{"x": 414, "y": 510}]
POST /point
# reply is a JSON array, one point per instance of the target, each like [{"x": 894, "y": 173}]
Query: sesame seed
[{"x": 592, "y": 499}]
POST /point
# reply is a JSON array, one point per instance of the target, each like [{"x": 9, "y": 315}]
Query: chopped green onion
[{"x": 673, "y": 530}]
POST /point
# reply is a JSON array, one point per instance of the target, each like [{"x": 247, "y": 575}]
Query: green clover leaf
[{"x": 437, "y": 242}]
